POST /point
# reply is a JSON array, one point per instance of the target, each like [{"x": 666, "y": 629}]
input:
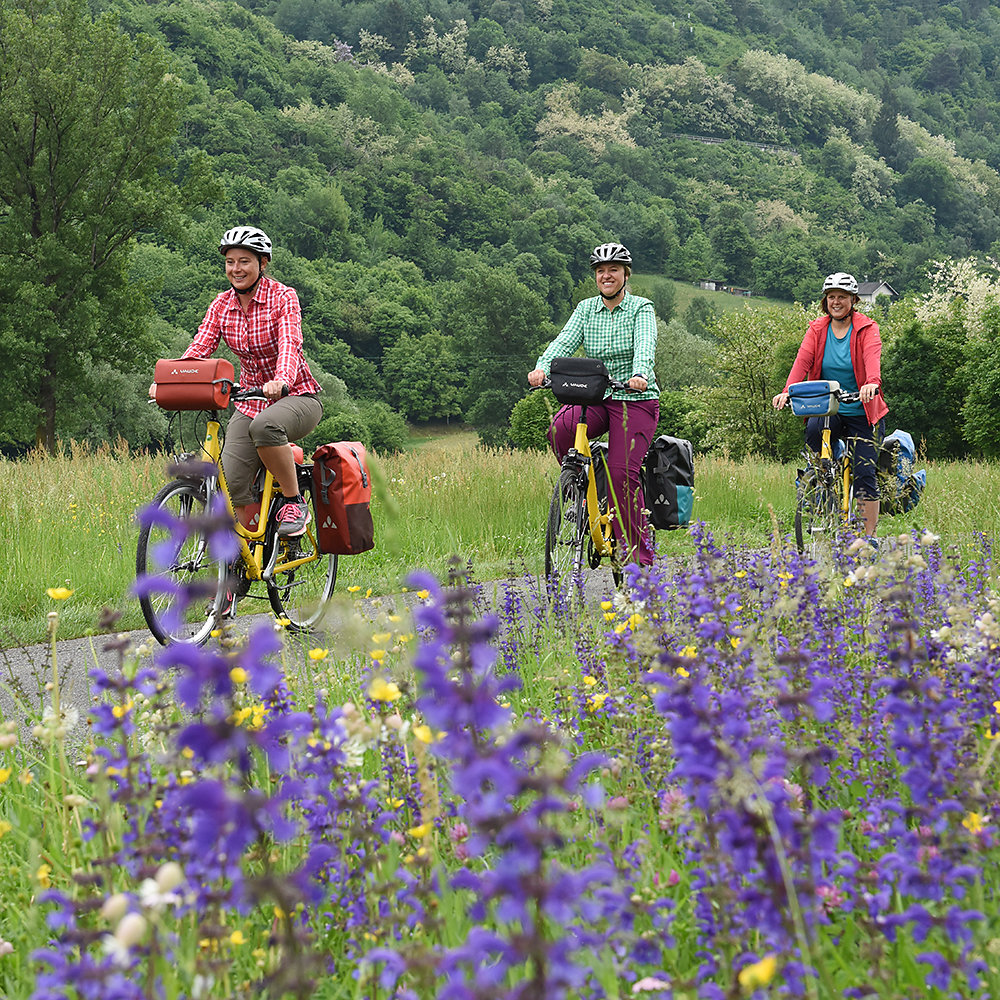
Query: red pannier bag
[
  {"x": 193, "y": 383},
  {"x": 342, "y": 493}
]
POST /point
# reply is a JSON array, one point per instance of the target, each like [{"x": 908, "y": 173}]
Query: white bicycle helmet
[
  {"x": 841, "y": 281},
  {"x": 245, "y": 236},
  {"x": 610, "y": 253}
]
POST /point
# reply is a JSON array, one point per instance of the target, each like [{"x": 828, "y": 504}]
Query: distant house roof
[{"x": 871, "y": 290}]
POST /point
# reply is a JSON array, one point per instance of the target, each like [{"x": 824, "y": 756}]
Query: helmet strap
[{"x": 621, "y": 289}]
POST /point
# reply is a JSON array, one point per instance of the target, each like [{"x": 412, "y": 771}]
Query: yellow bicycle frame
[
  {"x": 600, "y": 524},
  {"x": 253, "y": 558},
  {"x": 845, "y": 474}
]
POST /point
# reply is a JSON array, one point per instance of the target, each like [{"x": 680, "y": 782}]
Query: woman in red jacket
[{"x": 845, "y": 345}]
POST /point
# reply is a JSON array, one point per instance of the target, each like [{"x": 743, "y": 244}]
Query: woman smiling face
[{"x": 838, "y": 304}]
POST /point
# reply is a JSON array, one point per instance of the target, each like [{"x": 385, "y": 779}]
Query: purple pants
[{"x": 630, "y": 428}]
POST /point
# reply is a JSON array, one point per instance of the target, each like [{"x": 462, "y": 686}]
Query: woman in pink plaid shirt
[{"x": 260, "y": 320}]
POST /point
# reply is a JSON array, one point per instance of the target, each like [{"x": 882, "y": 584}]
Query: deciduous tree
[{"x": 87, "y": 121}]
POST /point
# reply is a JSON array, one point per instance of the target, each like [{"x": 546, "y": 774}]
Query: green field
[
  {"x": 70, "y": 520},
  {"x": 686, "y": 292}
]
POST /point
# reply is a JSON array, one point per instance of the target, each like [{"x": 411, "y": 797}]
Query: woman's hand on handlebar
[
  {"x": 637, "y": 383},
  {"x": 536, "y": 378},
  {"x": 868, "y": 392},
  {"x": 274, "y": 389},
  {"x": 780, "y": 401}
]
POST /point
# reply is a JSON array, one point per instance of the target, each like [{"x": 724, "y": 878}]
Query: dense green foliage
[{"x": 434, "y": 175}]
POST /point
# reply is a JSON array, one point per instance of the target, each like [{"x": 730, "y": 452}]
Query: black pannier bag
[
  {"x": 579, "y": 381},
  {"x": 668, "y": 484}
]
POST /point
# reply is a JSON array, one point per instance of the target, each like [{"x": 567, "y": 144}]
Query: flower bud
[
  {"x": 131, "y": 929},
  {"x": 114, "y": 907}
]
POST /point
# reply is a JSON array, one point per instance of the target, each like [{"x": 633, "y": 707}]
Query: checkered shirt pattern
[
  {"x": 267, "y": 339},
  {"x": 623, "y": 338}
]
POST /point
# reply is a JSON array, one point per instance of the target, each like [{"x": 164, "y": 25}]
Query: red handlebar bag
[{"x": 193, "y": 383}]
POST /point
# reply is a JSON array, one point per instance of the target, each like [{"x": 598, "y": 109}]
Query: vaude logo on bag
[
  {"x": 328, "y": 523},
  {"x": 184, "y": 371},
  {"x": 577, "y": 385}
]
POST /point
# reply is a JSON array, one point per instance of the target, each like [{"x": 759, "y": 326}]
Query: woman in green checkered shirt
[{"x": 618, "y": 328}]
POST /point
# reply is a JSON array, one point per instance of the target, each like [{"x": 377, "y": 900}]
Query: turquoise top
[{"x": 837, "y": 365}]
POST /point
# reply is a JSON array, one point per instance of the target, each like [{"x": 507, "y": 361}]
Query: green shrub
[
  {"x": 530, "y": 419},
  {"x": 386, "y": 429}
]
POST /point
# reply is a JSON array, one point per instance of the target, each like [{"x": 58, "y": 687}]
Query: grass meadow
[
  {"x": 70, "y": 520},
  {"x": 749, "y": 774}
]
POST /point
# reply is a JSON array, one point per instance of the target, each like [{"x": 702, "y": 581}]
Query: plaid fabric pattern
[
  {"x": 267, "y": 339},
  {"x": 624, "y": 339}
]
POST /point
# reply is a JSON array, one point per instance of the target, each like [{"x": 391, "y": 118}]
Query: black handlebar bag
[{"x": 579, "y": 381}]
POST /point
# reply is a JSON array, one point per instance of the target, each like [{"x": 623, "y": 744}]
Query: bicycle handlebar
[
  {"x": 613, "y": 384},
  {"x": 850, "y": 397},
  {"x": 251, "y": 392}
]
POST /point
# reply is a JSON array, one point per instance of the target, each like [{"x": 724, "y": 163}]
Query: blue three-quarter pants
[{"x": 868, "y": 440}]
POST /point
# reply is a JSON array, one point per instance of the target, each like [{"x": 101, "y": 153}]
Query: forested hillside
[{"x": 434, "y": 174}]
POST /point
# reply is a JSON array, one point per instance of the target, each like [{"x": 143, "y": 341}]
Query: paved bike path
[{"x": 26, "y": 670}]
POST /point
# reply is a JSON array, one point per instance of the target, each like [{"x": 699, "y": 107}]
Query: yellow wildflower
[
  {"x": 44, "y": 876},
  {"x": 423, "y": 594},
  {"x": 596, "y": 703},
  {"x": 423, "y": 733},
  {"x": 609, "y": 616},
  {"x": 120, "y": 711},
  {"x": 419, "y": 831},
  {"x": 759, "y": 973},
  {"x": 681, "y": 672},
  {"x": 381, "y": 638},
  {"x": 974, "y": 822},
  {"x": 318, "y": 654},
  {"x": 382, "y": 690},
  {"x": 378, "y": 655},
  {"x": 237, "y": 938},
  {"x": 5, "y": 827},
  {"x": 734, "y": 641},
  {"x": 26, "y": 778},
  {"x": 353, "y": 589},
  {"x": 690, "y": 652},
  {"x": 4, "y": 774},
  {"x": 238, "y": 675},
  {"x": 59, "y": 593},
  {"x": 589, "y": 681},
  {"x": 606, "y": 605},
  {"x": 740, "y": 573}
]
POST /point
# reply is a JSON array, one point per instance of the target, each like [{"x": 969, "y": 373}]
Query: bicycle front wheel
[
  {"x": 816, "y": 513},
  {"x": 565, "y": 534},
  {"x": 303, "y": 581},
  {"x": 182, "y": 583}
]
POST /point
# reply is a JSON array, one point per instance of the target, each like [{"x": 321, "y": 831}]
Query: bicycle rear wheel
[
  {"x": 565, "y": 535},
  {"x": 304, "y": 577},
  {"x": 182, "y": 583}
]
